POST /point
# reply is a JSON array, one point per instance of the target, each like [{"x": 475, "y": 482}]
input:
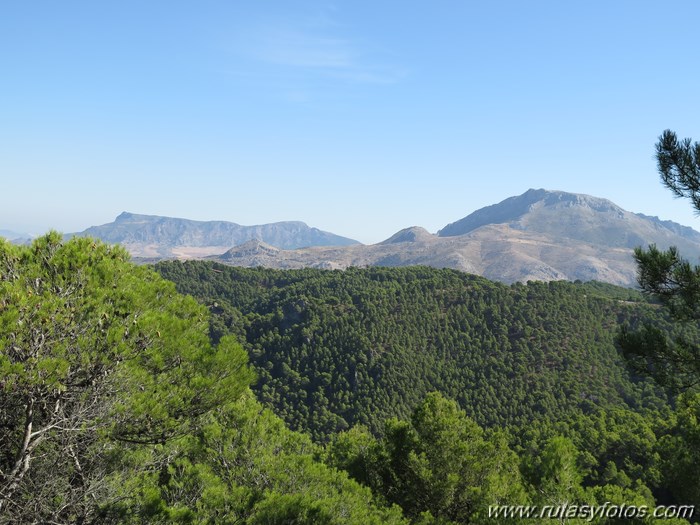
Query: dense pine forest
[
  {"x": 115, "y": 407},
  {"x": 334, "y": 349},
  {"x": 354, "y": 357},
  {"x": 406, "y": 395}
]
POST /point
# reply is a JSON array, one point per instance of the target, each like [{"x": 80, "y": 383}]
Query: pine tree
[{"x": 670, "y": 278}]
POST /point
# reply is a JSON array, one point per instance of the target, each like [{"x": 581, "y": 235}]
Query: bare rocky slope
[{"x": 540, "y": 235}]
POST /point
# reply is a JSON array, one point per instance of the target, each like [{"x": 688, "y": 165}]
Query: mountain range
[
  {"x": 14, "y": 236},
  {"x": 167, "y": 237},
  {"x": 539, "y": 235}
]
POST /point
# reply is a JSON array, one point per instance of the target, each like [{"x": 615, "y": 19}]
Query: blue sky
[{"x": 357, "y": 117}]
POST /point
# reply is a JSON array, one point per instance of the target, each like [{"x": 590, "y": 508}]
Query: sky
[{"x": 356, "y": 117}]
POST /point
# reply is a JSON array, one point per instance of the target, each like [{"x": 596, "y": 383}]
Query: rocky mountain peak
[
  {"x": 513, "y": 209},
  {"x": 412, "y": 234},
  {"x": 250, "y": 248},
  {"x": 124, "y": 216}
]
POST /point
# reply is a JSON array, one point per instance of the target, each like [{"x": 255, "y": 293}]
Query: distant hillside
[
  {"x": 14, "y": 236},
  {"x": 540, "y": 235},
  {"x": 333, "y": 349},
  {"x": 412, "y": 234},
  {"x": 532, "y": 364},
  {"x": 155, "y": 236},
  {"x": 679, "y": 229},
  {"x": 593, "y": 220}
]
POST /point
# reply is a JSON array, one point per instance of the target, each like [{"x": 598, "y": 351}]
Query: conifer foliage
[{"x": 116, "y": 408}]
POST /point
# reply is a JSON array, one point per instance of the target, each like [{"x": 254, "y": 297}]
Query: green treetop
[{"x": 671, "y": 279}]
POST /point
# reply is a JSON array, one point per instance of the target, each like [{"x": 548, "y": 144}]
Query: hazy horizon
[{"x": 34, "y": 234}]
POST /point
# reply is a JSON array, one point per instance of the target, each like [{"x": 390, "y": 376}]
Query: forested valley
[
  {"x": 404, "y": 395},
  {"x": 522, "y": 373}
]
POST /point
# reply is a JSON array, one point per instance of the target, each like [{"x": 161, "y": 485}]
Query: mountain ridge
[
  {"x": 161, "y": 236},
  {"x": 514, "y": 208},
  {"x": 538, "y": 235},
  {"x": 14, "y": 236}
]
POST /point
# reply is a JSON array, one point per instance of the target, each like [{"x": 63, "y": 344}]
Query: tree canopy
[
  {"x": 333, "y": 349},
  {"x": 115, "y": 407},
  {"x": 95, "y": 347},
  {"x": 671, "y": 279},
  {"x": 532, "y": 391}
]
